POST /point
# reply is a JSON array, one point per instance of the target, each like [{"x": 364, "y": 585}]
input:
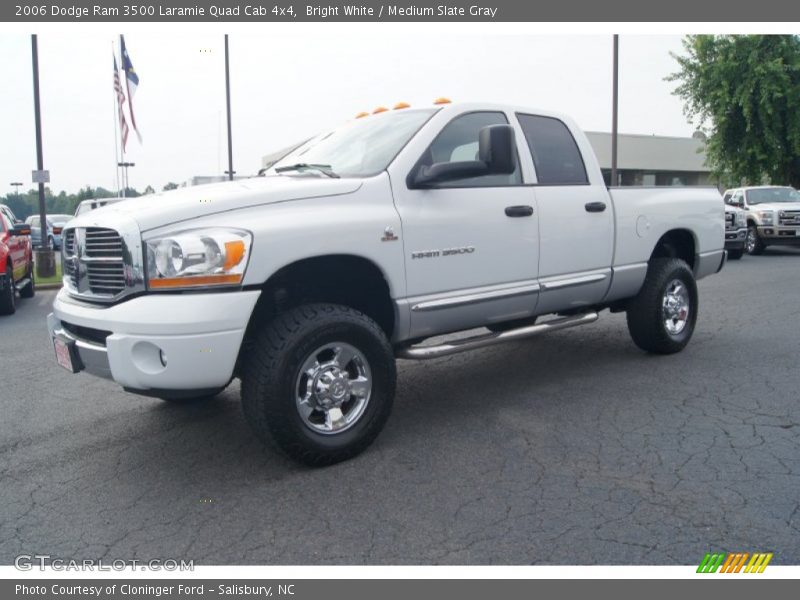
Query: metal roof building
[{"x": 652, "y": 159}]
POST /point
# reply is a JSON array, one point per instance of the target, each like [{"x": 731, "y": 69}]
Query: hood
[
  {"x": 778, "y": 206},
  {"x": 164, "y": 208}
]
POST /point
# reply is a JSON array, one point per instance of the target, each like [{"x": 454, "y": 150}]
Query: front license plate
[{"x": 64, "y": 353}]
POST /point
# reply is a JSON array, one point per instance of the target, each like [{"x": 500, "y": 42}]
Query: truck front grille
[
  {"x": 789, "y": 217},
  {"x": 96, "y": 264}
]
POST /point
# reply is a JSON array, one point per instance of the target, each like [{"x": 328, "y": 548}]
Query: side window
[
  {"x": 458, "y": 141},
  {"x": 727, "y": 198},
  {"x": 555, "y": 153},
  {"x": 736, "y": 200}
]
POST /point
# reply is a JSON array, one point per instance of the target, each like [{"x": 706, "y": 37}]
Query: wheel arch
[
  {"x": 677, "y": 243},
  {"x": 348, "y": 279}
]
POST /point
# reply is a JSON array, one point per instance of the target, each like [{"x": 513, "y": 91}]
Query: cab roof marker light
[
  {"x": 362, "y": 114},
  {"x": 401, "y": 105},
  {"x": 380, "y": 109},
  {"x": 442, "y": 100}
]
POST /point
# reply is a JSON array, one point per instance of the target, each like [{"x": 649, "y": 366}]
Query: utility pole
[
  {"x": 230, "y": 170},
  {"x": 614, "y": 112}
]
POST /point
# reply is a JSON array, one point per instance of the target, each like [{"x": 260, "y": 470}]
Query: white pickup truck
[{"x": 364, "y": 242}]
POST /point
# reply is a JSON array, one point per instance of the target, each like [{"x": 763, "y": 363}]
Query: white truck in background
[
  {"x": 772, "y": 213},
  {"x": 307, "y": 282}
]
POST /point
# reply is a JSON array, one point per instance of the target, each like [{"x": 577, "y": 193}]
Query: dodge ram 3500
[{"x": 306, "y": 283}]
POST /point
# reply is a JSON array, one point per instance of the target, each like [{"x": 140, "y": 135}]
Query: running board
[{"x": 481, "y": 341}]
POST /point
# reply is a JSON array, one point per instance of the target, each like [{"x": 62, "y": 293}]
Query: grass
[{"x": 54, "y": 279}]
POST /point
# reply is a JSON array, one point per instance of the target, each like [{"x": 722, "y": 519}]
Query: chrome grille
[
  {"x": 789, "y": 217},
  {"x": 98, "y": 264}
]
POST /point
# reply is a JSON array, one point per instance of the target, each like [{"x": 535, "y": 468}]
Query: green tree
[
  {"x": 148, "y": 190},
  {"x": 744, "y": 92},
  {"x": 170, "y": 186}
]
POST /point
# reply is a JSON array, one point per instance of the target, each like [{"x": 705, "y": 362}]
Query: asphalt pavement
[{"x": 571, "y": 448}]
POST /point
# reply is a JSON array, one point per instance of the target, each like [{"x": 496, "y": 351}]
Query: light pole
[
  {"x": 614, "y": 111},
  {"x": 16, "y": 185},
  {"x": 230, "y": 170},
  {"x": 45, "y": 259}
]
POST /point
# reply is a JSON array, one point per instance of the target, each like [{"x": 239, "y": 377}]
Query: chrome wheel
[
  {"x": 333, "y": 388},
  {"x": 676, "y": 307},
  {"x": 751, "y": 240}
]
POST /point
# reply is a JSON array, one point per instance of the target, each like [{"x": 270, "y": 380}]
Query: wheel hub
[
  {"x": 333, "y": 388},
  {"x": 676, "y": 307}
]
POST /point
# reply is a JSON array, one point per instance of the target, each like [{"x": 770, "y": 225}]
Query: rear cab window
[{"x": 556, "y": 156}]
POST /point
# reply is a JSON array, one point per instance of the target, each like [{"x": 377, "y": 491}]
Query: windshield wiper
[{"x": 324, "y": 169}]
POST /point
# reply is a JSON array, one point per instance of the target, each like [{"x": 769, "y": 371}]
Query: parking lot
[{"x": 575, "y": 448}]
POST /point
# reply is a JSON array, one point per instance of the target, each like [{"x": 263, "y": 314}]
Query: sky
[{"x": 286, "y": 88}]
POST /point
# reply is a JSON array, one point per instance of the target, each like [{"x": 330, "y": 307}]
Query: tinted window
[
  {"x": 775, "y": 194},
  {"x": 555, "y": 153},
  {"x": 458, "y": 141}
]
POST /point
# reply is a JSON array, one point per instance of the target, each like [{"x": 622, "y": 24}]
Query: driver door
[{"x": 471, "y": 245}]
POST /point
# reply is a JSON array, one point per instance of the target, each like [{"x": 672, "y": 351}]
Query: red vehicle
[{"x": 16, "y": 261}]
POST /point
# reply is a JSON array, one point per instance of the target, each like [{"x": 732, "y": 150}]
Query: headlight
[
  {"x": 740, "y": 219},
  {"x": 197, "y": 258},
  {"x": 766, "y": 217}
]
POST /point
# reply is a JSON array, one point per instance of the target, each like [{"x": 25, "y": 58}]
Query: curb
[{"x": 48, "y": 286}]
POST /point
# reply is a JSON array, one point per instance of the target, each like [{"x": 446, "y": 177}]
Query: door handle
[
  {"x": 595, "y": 206},
  {"x": 519, "y": 211}
]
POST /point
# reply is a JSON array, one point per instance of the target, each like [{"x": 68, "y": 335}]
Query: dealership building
[{"x": 653, "y": 159}]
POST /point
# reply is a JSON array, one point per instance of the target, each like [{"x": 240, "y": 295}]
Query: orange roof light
[
  {"x": 400, "y": 105},
  {"x": 442, "y": 101},
  {"x": 380, "y": 109},
  {"x": 362, "y": 114}
]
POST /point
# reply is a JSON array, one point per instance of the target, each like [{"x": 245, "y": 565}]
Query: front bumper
[
  {"x": 160, "y": 342},
  {"x": 779, "y": 234},
  {"x": 735, "y": 238}
]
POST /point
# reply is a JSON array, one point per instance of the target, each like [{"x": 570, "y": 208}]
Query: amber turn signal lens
[
  {"x": 234, "y": 251},
  {"x": 199, "y": 280}
]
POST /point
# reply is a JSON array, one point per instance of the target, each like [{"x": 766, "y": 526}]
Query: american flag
[{"x": 123, "y": 124}]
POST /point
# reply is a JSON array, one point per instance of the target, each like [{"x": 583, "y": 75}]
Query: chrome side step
[{"x": 490, "y": 339}]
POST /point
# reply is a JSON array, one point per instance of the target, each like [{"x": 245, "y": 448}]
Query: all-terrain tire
[
  {"x": 272, "y": 370},
  {"x": 650, "y": 313}
]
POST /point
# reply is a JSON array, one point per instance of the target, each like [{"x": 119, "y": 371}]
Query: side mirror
[
  {"x": 496, "y": 156},
  {"x": 497, "y": 149},
  {"x": 20, "y": 229}
]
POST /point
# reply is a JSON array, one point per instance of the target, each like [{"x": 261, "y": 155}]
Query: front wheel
[
  {"x": 753, "y": 243},
  {"x": 319, "y": 383},
  {"x": 661, "y": 318}
]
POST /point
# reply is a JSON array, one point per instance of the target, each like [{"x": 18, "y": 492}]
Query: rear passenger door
[{"x": 576, "y": 220}]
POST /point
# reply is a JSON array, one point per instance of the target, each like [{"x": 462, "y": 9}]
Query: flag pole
[
  {"x": 122, "y": 146},
  {"x": 116, "y": 126},
  {"x": 230, "y": 170}
]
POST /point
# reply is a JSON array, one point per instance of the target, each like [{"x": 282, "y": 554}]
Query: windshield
[
  {"x": 360, "y": 148},
  {"x": 776, "y": 194}
]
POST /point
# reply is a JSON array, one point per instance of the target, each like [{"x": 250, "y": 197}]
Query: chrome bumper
[{"x": 93, "y": 357}]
